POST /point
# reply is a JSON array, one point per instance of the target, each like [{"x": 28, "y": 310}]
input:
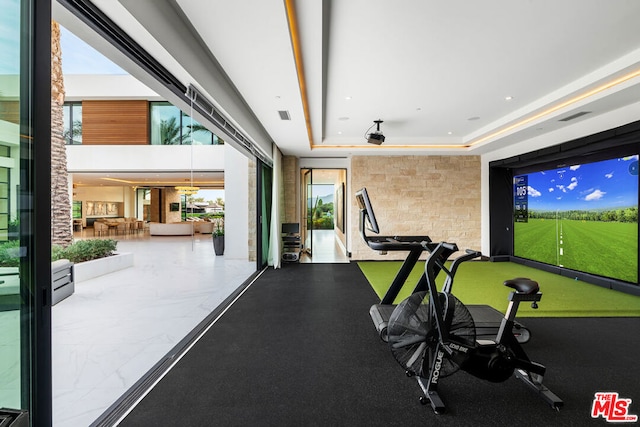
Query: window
[
  {"x": 5, "y": 224},
  {"x": 72, "y": 117},
  {"x": 25, "y": 137},
  {"x": 77, "y": 210},
  {"x": 170, "y": 126}
]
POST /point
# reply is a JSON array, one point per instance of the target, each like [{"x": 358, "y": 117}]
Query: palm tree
[
  {"x": 170, "y": 132},
  {"x": 193, "y": 129},
  {"x": 71, "y": 135},
  {"x": 61, "y": 231}
]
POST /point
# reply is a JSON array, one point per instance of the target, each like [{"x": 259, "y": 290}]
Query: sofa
[
  {"x": 203, "y": 227},
  {"x": 170, "y": 228}
]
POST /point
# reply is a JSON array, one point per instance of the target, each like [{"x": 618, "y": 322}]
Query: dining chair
[
  {"x": 121, "y": 228},
  {"x": 99, "y": 228}
]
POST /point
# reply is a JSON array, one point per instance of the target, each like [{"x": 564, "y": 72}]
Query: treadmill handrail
[{"x": 390, "y": 243}]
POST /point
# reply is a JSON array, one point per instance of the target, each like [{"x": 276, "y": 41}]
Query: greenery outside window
[
  {"x": 72, "y": 117},
  {"x": 77, "y": 210},
  {"x": 170, "y": 126}
]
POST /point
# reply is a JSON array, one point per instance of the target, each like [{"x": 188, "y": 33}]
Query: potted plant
[{"x": 218, "y": 236}]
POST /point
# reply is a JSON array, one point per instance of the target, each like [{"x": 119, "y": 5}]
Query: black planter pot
[{"x": 218, "y": 245}]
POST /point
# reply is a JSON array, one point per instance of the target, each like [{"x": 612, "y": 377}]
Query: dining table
[{"x": 113, "y": 225}]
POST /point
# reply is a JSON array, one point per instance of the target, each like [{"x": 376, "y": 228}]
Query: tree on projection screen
[{"x": 582, "y": 217}]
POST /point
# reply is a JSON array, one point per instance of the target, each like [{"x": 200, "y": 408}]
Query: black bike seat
[{"x": 523, "y": 285}]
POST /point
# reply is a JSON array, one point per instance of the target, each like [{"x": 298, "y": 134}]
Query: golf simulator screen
[{"x": 581, "y": 217}]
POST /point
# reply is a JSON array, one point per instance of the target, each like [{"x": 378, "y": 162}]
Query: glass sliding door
[
  {"x": 323, "y": 214},
  {"x": 25, "y": 209},
  {"x": 307, "y": 217},
  {"x": 264, "y": 201}
]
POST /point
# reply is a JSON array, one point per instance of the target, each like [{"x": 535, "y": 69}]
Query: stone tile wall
[
  {"x": 290, "y": 173},
  {"x": 416, "y": 195}
]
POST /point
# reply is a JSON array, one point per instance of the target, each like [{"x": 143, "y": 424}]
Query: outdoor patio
[{"x": 114, "y": 328}]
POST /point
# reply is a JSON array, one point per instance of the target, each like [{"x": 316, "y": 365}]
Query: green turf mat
[{"x": 480, "y": 282}]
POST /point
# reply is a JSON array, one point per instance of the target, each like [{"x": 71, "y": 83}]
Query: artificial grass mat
[{"x": 480, "y": 282}]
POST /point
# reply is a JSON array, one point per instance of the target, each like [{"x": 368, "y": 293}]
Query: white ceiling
[{"x": 437, "y": 73}]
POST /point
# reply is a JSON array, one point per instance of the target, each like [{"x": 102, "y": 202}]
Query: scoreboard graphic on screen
[{"x": 520, "y": 199}]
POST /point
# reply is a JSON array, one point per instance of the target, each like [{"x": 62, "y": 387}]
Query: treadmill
[
  {"x": 486, "y": 318},
  {"x": 380, "y": 313}
]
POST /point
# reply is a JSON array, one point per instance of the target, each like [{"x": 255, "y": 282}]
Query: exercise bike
[
  {"x": 486, "y": 318},
  {"x": 432, "y": 335}
]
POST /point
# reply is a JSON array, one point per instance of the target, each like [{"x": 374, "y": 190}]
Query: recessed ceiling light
[
  {"x": 339, "y": 132},
  {"x": 508, "y": 98},
  {"x": 449, "y": 133},
  {"x": 348, "y": 98}
]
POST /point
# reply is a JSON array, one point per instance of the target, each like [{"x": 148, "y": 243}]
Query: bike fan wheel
[{"x": 413, "y": 333}]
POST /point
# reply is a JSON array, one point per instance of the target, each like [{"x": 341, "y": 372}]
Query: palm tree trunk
[{"x": 61, "y": 227}]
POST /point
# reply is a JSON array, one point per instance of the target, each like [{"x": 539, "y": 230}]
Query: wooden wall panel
[
  {"x": 10, "y": 111},
  {"x": 115, "y": 122}
]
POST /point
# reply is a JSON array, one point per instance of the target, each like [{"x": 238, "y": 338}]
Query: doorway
[{"x": 323, "y": 215}]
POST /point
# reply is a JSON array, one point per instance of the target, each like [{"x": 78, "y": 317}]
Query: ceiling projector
[{"x": 376, "y": 137}]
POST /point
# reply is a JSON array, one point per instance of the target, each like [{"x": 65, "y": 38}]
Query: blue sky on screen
[
  {"x": 80, "y": 58},
  {"x": 600, "y": 185}
]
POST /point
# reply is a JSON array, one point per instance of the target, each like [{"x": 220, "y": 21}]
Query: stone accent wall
[
  {"x": 61, "y": 231},
  {"x": 57, "y": 80},
  {"x": 160, "y": 203},
  {"x": 171, "y": 195},
  {"x": 290, "y": 175},
  {"x": 438, "y": 196}
]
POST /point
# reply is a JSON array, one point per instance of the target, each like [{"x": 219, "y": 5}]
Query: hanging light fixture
[{"x": 186, "y": 189}]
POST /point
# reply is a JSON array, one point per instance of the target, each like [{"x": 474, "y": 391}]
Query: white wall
[
  {"x": 79, "y": 87},
  {"x": 236, "y": 204},
  {"x": 597, "y": 124},
  {"x": 139, "y": 202},
  {"x": 145, "y": 158}
]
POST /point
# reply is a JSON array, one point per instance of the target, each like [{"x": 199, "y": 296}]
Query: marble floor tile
[
  {"x": 325, "y": 249},
  {"x": 114, "y": 328}
]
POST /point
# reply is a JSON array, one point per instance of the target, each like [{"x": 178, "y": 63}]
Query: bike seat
[{"x": 523, "y": 285}]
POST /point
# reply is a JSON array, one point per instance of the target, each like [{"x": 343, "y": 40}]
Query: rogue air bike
[{"x": 432, "y": 335}]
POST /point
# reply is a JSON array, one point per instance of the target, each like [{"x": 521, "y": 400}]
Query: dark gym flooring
[{"x": 299, "y": 348}]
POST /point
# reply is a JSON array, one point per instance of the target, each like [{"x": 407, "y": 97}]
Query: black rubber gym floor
[{"x": 299, "y": 349}]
